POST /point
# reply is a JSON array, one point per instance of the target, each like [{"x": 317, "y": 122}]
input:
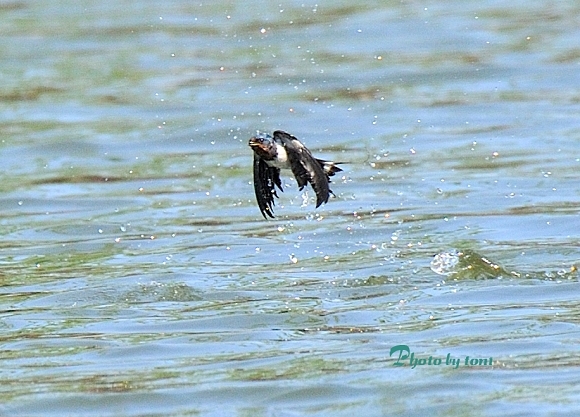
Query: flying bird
[{"x": 284, "y": 151}]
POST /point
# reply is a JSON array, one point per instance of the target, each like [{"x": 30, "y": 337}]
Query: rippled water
[{"x": 138, "y": 276}]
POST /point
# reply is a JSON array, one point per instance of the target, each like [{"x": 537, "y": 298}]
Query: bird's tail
[{"x": 329, "y": 168}]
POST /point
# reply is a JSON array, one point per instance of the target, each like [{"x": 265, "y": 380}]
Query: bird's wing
[
  {"x": 266, "y": 179},
  {"x": 305, "y": 167}
]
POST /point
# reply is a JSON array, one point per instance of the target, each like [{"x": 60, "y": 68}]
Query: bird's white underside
[{"x": 282, "y": 161}]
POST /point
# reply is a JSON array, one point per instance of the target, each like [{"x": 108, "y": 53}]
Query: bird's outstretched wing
[
  {"x": 266, "y": 179},
  {"x": 305, "y": 167}
]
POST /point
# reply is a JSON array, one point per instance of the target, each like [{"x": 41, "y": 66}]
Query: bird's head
[{"x": 263, "y": 146}]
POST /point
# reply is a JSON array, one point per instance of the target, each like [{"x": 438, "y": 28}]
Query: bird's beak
[{"x": 256, "y": 143}]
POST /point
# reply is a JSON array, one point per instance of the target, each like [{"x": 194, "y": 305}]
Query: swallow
[{"x": 284, "y": 151}]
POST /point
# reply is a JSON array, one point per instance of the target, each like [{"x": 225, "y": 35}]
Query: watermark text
[{"x": 405, "y": 357}]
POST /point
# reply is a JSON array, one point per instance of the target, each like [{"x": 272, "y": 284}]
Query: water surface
[{"x": 139, "y": 278}]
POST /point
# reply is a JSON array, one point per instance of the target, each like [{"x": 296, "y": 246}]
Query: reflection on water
[{"x": 138, "y": 275}]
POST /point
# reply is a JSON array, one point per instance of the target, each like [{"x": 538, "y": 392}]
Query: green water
[{"x": 138, "y": 277}]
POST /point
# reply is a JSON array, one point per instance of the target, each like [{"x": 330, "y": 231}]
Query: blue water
[{"x": 138, "y": 277}]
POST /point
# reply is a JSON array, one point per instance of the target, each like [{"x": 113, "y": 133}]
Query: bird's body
[
  {"x": 280, "y": 160},
  {"x": 284, "y": 151}
]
